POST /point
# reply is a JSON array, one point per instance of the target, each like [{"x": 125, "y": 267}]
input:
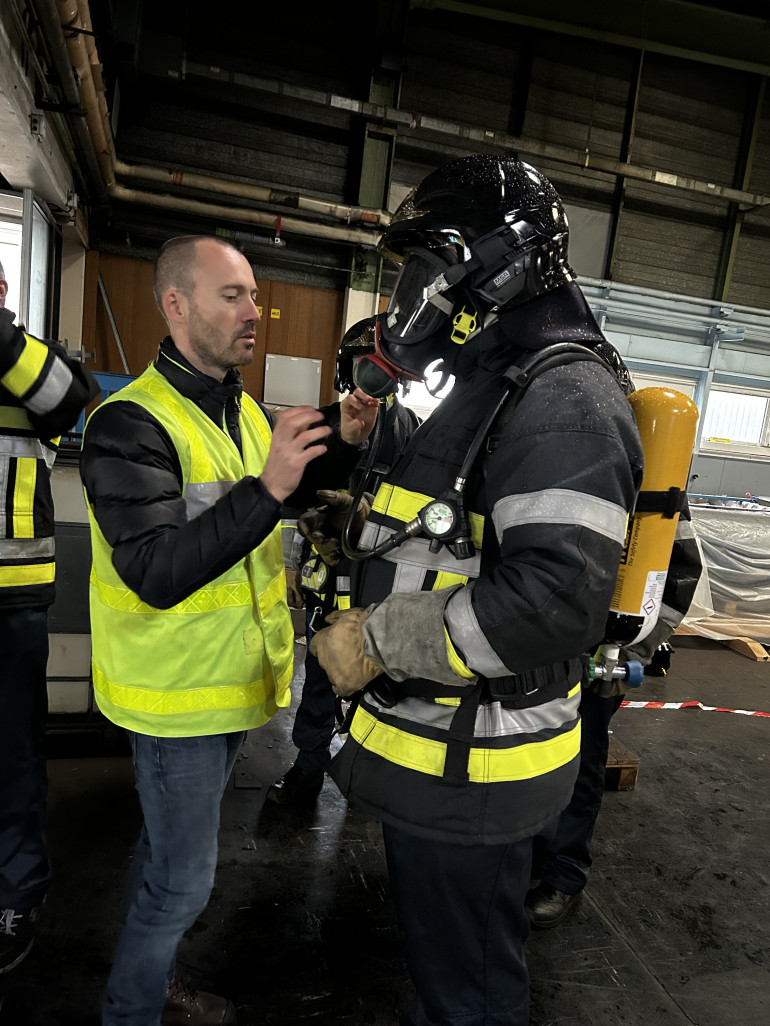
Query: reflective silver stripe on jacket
[
  {"x": 200, "y": 497},
  {"x": 492, "y": 720},
  {"x": 561, "y": 506},
  {"x": 52, "y": 391},
  {"x": 20, "y": 447},
  {"x": 467, "y": 635},
  {"x": 414, "y": 559},
  {"x": 26, "y": 548}
]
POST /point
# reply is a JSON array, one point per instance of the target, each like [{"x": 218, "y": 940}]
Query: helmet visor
[{"x": 421, "y": 299}]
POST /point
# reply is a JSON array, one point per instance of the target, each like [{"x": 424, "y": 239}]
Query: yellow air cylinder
[{"x": 667, "y": 421}]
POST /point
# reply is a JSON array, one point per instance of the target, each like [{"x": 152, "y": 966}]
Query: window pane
[{"x": 734, "y": 416}]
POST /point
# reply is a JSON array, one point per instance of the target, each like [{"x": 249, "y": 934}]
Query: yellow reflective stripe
[
  {"x": 445, "y": 579},
  {"x": 202, "y": 601},
  {"x": 343, "y": 602},
  {"x": 25, "y": 372},
  {"x": 155, "y": 385},
  {"x": 485, "y": 765},
  {"x": 447, "y": 701},
  {"x": 176, "y": 702},
  {"x": 14, "y": 417},
  {"x": 24, "y": 498},
  {"x": 257, "y": 418},
  {"x": 274, "y": 592},
  {"x": 28, "y": 574},
  {"x": 455, "y": 661},
  {"x": 404, "y": 506},
  {"x": 494, "y": 765}
]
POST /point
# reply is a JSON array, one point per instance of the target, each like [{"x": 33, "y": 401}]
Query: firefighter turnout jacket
[
  {"x": 191, "y": 631},
  {"x": 42, "y": 392},
  {"x": 490, "y": 755}
]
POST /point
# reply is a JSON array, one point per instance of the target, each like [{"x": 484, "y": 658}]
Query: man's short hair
[
  {"x": 176, "y": 263},
  {"x": 2, "y": 273}
]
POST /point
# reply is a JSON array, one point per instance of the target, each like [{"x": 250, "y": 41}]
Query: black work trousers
[
  {"x": 461, "y": 909},
  {"x": 314, "y": 722},
  {"x": 24, "y": 867},
  {"x": 562, "y": 854}
]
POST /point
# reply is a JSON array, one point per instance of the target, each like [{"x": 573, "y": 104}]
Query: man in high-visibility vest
[
  {"x": 42, "y": 392},
  {"x": 185, "y": 476}
]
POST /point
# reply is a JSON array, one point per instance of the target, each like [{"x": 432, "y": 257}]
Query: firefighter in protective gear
[
  {"x": 467, "y": 744},
  {"x": 314, "y": 562},
  {"x": 42, "y": 392}
]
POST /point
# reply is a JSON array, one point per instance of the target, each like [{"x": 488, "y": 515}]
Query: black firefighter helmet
[
  {"x": 357, "y": 341},
  {"x": 480, "y": 234}
]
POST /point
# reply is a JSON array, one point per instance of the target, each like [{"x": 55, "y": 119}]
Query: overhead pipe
[
  {"x": 75, "y": 20},
  {"x": 49, "y": 19},
  {"x": 70, "y": 20},
  {"x": 357, "y": 236},
  {"x": 243, "y": 190}
]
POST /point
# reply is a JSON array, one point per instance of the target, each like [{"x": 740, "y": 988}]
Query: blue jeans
[{"x": 180, "y": 781}]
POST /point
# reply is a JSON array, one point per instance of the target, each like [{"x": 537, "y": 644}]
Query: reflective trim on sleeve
[
  {"x": 466, "y": 633},
  {"x": 202, "y": 496},
  {"x": 561, "y": 506},
  {"x": 53, "y": 389},
  {"x": 26, "y": 370},
  {"x": 29, "y": 574},
  {"x": 26, "y": 548},
  {"x": 455, "y": 662}
]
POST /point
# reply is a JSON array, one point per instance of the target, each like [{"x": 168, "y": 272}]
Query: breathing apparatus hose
[
  {"x": 514, "y": 376},
  {"x": 374, "y": 447}
]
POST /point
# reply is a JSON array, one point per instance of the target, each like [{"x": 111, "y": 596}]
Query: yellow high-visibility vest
[{"x": 221, "y": 659}]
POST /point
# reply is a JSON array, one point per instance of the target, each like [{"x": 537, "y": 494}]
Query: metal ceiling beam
[{"x": 677, "y": 28}]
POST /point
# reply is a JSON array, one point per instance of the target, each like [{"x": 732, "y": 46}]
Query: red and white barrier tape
[{"x": 688, "y": 705}]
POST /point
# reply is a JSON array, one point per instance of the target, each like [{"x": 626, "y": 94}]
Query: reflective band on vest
[{"x": 221, "y": 659}]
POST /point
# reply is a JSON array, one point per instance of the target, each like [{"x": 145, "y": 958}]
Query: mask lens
[
  {"x": 373, "y": 378},
  {"x": 416, "y": 307}
]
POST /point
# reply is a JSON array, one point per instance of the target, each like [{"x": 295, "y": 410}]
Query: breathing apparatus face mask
[{"x": 416, "y": 328}]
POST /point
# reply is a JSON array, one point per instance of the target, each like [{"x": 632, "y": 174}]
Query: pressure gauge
[{"x": 438, "y": 518}]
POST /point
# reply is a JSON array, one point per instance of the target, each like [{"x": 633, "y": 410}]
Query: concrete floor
[{"x": 671, "y": 930}]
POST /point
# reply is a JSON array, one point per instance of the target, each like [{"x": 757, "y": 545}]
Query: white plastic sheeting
[{"x": 735, "y": 544}]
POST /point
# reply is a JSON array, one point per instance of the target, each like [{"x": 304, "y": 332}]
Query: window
[{"x": 737, "y": 420}]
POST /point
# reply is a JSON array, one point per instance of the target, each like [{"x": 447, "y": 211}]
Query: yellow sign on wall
[{"x": 275, "y": 313}]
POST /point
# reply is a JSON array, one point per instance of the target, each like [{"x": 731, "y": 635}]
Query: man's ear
[
  {"x": 3, "y": 289},
  {"x": 175, "y": 306}
]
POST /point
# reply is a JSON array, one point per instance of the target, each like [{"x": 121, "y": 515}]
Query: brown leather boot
[{"x": 186, "y": 1006}]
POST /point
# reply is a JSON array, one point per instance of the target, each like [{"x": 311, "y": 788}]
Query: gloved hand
[
  {"x": 339, "y": 648},
  {"x": 323, "y": 525},
  {"x": 293, "y": 590}
]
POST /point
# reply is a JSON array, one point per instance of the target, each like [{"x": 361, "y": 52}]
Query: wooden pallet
[
  {"x": 747, "y": 646},
  {"x": 622, "y": 767}
]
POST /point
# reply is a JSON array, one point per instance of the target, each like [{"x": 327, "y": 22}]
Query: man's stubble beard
[{"x": 206, "y": 342}]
